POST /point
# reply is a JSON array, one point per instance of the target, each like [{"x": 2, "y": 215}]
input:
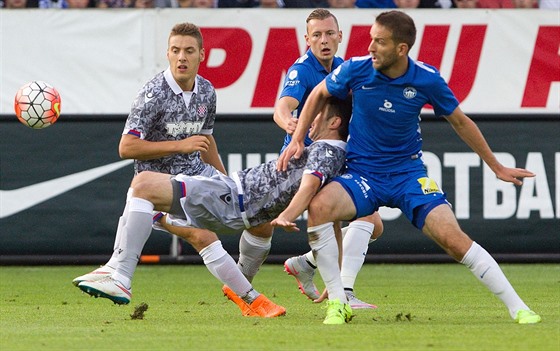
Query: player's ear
[
  {"x": 402, "y": 49},
  {"x": 335, "y": 122},
  {"x": 202, "y": 55}
]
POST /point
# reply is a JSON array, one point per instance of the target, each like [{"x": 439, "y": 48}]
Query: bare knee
[
  {"x": 264, "y": 230},
  {"x": 318, "y": 211},
  {"x": 141, "y": 184},
  {"x": 442, "y": 227},
  {"x": 197, "y": 238},
  {"x": 375, "y": 219}
]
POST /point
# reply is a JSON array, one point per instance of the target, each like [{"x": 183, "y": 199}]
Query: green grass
[{"x": 421, "y": 307}]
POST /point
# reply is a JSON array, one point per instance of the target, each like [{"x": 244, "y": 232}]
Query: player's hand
[
  {"x": 294, "y": 149},
  {"x": 194, "y": 143},
  {"x": 513, "y": 175},
  {"x": 323, "y": 297},
  {"x": 285, "y": 224},
  {"x": 292, "y": 124}
]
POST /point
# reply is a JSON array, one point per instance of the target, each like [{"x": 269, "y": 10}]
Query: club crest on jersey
[
  {"x": 428, "y": 185},
  {"x": 202, "y": 110},
  {"x": 409, "y": 92}
]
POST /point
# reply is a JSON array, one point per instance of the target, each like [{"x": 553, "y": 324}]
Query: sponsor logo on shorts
[{"x": 428, "y": 185}]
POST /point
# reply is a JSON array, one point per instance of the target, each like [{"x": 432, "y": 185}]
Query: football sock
[
  {"x": 253, "y": 251},
  {"x": 310, "y": 259},
  {"x": 113, "y": 261},
  {"x": 325, "y": 248},
  {"x": 487, "y": 271},
  {"x": 354, "y": 249},
  {"x": 223, "y": 267},
  {"x": 134, "y": 236}
]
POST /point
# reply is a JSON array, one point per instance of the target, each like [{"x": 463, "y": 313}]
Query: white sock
[
  {"x": 223, "y": 267},
  {"x": 134, "y": 236},
  {"x": 325, "y": 248},
  {"x": 354, "y": 249},
  {"x": 114, "y": 261},
  {"x": 253, "y": 251},
  {"x": 487, "y": 271},
  {"x": 309, "y": 257}
]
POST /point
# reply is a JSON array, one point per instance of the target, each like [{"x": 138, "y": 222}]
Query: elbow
[
  {"x": 125, "y": 152},
  {"x": 276, "y": 118}
]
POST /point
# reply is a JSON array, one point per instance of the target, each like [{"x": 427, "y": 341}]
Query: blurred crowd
[{"x": 489, "y": 4}]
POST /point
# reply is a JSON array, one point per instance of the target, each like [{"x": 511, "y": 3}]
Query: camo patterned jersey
[
  {"x": 267, "y": 192},
  {"x": 160, "y": 113}
]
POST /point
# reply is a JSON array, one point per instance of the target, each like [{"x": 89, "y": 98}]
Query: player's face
[
  {"x": 383, "y": 50},
  {"x": 323, "y": 37},
  {"x": 184, "y": 56},
  {"x": 319, "y": 127}
]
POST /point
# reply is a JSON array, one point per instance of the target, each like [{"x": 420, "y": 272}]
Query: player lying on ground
[{"x": 248, "y": 199}]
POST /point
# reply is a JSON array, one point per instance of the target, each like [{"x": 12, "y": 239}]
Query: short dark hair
[
  {"x": 188, "y": 29},
  {"x": 336, "y": 107},
  {"x": 400, "y": 24},
  {"x": 321, "y": 14}
]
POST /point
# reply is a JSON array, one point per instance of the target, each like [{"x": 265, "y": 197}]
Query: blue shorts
[{"x": 412, "y": 192}]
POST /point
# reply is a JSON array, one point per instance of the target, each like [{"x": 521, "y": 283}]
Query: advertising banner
[
  {"x": 496, "y": 61},
  {"x": 63, "y": 188}
]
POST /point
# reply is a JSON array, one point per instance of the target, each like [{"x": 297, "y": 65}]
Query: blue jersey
[
  {"x": 384, "y": 130},
  {"x": 301, "y": 78}
]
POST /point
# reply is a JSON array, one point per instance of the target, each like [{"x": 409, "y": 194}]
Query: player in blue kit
[
  {"x": 384, "y": 160},
  {"x": 323, "y": 37}
]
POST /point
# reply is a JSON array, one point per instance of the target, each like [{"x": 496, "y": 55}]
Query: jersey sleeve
[
  {"x": 440, "y": 95},
  {"x": 324, "y": 161},
  {"x": 296, "y": 82},
  {"x": 139, "y": 121},
  {"x": 338, "y": 81},
  {"x": 208, "y": 127}
]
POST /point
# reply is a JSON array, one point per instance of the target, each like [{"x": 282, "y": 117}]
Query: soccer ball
[{"x": 37, "y": 105}]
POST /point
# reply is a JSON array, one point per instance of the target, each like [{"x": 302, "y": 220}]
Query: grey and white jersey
[
  {"x": 253, "y": 196},
  {"x": 160, "y": 113},
  {"x": 267, "y": 192}
]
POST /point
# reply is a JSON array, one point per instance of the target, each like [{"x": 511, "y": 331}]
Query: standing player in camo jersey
[
  {"x": 323, "y": 37},
  {"x": 169, "y": 130}
]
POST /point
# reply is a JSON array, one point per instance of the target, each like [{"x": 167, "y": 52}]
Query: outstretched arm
[
  {"x": 471, "y": 135},
  {"x": 309, "y": 186},
  {"x": 283, "y": 114},
  {"x": 313, "y": 105}
]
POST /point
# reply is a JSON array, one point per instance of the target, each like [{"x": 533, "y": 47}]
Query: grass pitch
[{"x": 421, "y": 307}]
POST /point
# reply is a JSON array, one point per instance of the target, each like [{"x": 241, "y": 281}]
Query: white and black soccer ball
[{"x": 37, "y": 105}]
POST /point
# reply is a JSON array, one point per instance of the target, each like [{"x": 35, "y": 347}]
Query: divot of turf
[{"x": 139, "y": 311}]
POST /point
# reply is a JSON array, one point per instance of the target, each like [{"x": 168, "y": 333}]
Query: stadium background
[{"x": 504, "y": 66}]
